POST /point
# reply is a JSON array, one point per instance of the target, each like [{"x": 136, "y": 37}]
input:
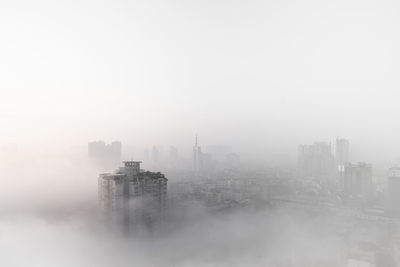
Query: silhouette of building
[
  {"x": 357, "y": 180},
  {"x": 132, "y": 197},
  {"x": 111, "y": 196},
  {"x": 197, "y": 158},
  {"x": 315, "y": 160},
  {"x": 393, "y": 192}
]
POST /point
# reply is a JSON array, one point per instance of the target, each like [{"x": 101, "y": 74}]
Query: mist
[
  {"x": 261, "y": 74},
  {"x": 266, "y": 131},
  {"x": 52, "y": 219}
]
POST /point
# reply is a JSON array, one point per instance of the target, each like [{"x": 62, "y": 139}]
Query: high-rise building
[
  {"x": 111, "y": 195},
  {"x": 133, "y": 197},
  {"x": 197, "y": 158},
  {"x": 357, "y": 180},
  {"x": 341, "y": 153},
  {"x": 393, "y": 192},
  {"x": 315, "y": 160}
]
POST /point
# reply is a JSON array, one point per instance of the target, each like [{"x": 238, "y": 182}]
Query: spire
[{"x": 196, "y": 140}]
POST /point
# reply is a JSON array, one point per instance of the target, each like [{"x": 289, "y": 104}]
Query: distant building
[
  {"x": 107, "y": 156},
  {"x": 357, "y": 180},
  {"x": 111, "y": 196},
  {"x": 197, "y": 158},
  {"x": 341, "y": 152},
  {"x": 315, "y": 160},
  {"x": 393, "y": 192},
  {"x": 133, "y": 197}
]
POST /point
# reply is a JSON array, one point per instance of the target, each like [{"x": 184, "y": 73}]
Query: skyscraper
[
  {"x": 111, "y": 196},
  {"x": 197, "y": 158},
  {"x": 393, "y": 192},
  {"x": 133, "y": 197}
]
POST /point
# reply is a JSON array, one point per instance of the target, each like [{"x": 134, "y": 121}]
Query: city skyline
[
  {"x": 228, "y": 70},
  {"x": 199, "y": 133}
]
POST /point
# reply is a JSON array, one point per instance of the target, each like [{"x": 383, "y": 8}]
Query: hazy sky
[{"x": 234, "y": 71}]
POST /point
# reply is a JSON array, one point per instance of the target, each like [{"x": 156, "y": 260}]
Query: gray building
[
  {"x": 357, "y": 180},
  {"x": 197, "y": 158},
  {"x": 133, "y": 197},
  {"x": 393, "y": 192}
]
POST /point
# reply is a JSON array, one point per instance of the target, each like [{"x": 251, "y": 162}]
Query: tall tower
[
  {"x": 132, "y": 197},
  {"x": 197, "y": 157}
]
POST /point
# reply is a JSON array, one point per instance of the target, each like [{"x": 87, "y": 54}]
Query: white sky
[{"x": 237, "y": 72}]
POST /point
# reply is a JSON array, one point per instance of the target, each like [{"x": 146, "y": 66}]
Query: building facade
[
  {"x": 393, "y": 193},
  {"x": 133, "y": 197},
  {"x": 357, "y": 180}
]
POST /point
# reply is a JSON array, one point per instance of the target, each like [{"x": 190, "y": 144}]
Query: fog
[
  {"x": 250, "y": 81},
  {"x": 49, "y": 217},
  {"x": 259, "y": 74},
  {"x": 34, "y": 241}
]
